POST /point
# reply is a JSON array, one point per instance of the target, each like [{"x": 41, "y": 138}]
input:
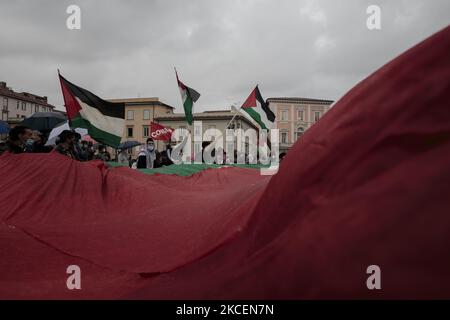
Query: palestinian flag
[
  {"x": 259, "y": 110},
  {"x": 188, "y": 96},
  {"x": 104, "y": 120}
]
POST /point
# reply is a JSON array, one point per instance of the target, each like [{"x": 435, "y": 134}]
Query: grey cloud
[{"x": 223, "y": 48}]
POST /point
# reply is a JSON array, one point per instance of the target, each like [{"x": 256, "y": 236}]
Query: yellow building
[{"x": 139, "y": 113}]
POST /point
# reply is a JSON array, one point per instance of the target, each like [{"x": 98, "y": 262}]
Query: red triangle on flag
[
  {"x": 251, "y": 100},
  {"x": 73, "y": 107}
]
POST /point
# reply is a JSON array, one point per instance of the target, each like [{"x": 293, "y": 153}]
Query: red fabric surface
[{"x": 369, "y": 184}]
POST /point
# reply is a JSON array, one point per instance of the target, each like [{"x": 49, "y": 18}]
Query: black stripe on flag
[
  {"x": 111, "y": 109},
  {"x": 264, "y": 106},
  {"x": 193, "y": 94}
]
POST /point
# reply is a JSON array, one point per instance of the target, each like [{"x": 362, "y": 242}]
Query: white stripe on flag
[
  {"x": 263, "y": 115},
  {"x": 108, "y": 124}
]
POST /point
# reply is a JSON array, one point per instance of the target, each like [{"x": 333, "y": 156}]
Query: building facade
[
  {"x": 19, "y": 105},
  {"x": 220, "y": 120},
  {"x": 139, "y": 113},
  {"x": 296, "y": 115}
]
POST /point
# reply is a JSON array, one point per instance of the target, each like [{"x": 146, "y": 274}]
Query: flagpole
[
  {"x": 176, "y": 73},
  {"x": 68, "y": 120},
  {"x": 235, "y": 114}
]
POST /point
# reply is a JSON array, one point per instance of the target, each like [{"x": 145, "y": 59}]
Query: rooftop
[
  {"x": 207, "y": 115},
  {"x": 299, "y": 100},
  {"x": 153, "y": 101},
  {"x": 23, "y": 96}
]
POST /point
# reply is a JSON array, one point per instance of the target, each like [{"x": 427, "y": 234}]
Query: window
[
  {"x": 299, "y": 132},
  {"x": 18, "y": 105},
  {"x": 145, "y": 131},
  {"x": 5, "y": 104},
  {"x": 130, "y": 115},
  {"x": 284, "y": 137},
  {"x": 146, "y": 114},
  {"x": 316, "y": 116},
  {"x": 284, "y": 115},
  {"x": 300, "y": 114},
  {"x": 36, "y": 108},
  {"x": 24, "y": 106},
  {"x": 130, "y": 132},
  {"x": 182, "y": 127}
]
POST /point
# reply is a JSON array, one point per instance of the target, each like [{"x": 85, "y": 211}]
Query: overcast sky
[{"x": 221, "y": 48}]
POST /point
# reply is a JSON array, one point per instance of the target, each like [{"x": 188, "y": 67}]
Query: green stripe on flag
[
  {"x": 188, "y": 104},
  {"x": 255, "y": 116},
  {"x": 95, "y": 133}
]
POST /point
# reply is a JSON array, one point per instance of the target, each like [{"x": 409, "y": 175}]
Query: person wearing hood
[{"x": 148, "y": 157}]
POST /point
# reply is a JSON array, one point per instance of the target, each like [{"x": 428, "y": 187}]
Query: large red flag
[{"x": 159, "y": 132}]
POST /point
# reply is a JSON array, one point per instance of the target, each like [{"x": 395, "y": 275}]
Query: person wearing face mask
[
  {"x": 32, "y": 142},
  {"x": 29, "y": 145},
  {"x": 17, "y": 139},
  {"x": 148, "y": 157}
]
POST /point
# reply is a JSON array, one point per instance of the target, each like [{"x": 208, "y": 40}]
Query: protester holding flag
[{"x": 162, "y": 133}]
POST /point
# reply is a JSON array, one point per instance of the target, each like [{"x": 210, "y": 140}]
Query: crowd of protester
[{"x": 22, "y": 139}]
